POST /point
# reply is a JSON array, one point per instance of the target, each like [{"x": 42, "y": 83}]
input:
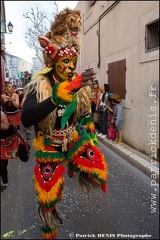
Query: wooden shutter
[{"x": 117, "y": 77}]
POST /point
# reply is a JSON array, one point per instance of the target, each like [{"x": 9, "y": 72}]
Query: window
[{"x": 152, "y": 36}]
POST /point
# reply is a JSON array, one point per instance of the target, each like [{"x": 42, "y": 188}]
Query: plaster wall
[{"x": 122, "y": 36}]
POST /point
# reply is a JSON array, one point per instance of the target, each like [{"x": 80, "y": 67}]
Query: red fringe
[
  {"x": 104, "y": 188},
  {"x": 89, "y": 164},
  {"x": 59, "y": 171}
]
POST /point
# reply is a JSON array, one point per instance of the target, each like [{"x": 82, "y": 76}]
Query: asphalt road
[{"x": 130, "y": 210}]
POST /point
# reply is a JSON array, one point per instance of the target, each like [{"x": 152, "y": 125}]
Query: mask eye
[
  {"x": 91, "y": 154},
  {"x": 66, "y": 60},
  {"x": 47, "y": 171}
]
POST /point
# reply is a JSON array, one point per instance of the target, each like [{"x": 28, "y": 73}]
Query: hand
[
  {"x": 82, "y": 80},
  {"x": 8, "y": 98},
  {"x": 11, "y": 99},
  {"x": 88, "y": 75}
]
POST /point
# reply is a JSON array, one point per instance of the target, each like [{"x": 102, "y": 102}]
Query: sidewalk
[{"x": 136, "y": 158}]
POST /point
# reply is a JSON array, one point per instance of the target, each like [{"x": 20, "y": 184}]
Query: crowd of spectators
[{"x": 107, "y": 112}]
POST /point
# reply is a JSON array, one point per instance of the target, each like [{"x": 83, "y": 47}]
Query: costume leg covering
[{"x": 49, "y": 184}]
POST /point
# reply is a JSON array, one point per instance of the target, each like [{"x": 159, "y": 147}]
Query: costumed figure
[
  {"x": 10, "y": 102},
  {"x": 58, "y": 105}
]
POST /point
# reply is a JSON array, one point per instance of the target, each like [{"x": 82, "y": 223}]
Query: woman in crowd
[
  {"x": 5, "y": 131},
  {"x": 102, "y": 110},
  {"x": 95, "y": 90},
  {"x": 111, "y": 130},
  {"x": 10, "y": 101}
]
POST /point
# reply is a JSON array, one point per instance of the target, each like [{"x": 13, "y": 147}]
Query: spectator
[
  {"x": 5, "y": 131},
  {"x": 11, "y": 105},
  {"x": 117, "y": 117},
  {"x": 110, "y": 125},
  {"x": 102, "y": 111},
  {"x": 95, "y": 89}
]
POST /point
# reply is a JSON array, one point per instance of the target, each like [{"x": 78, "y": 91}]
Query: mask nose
[{"x": 71, "y": 66}]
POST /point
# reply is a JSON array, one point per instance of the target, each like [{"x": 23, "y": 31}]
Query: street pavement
[
  {"x": 147, "y": 165},
  {"x": 130, "y": 208}
]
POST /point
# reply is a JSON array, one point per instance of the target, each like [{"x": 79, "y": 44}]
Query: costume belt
[{"x": 62, "y": 137}]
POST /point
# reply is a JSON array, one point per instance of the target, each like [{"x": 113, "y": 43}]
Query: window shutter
[{"x": 117, "y": 77}]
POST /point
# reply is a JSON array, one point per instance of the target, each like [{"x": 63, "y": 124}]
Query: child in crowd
[{"x": 117, "y": 117}]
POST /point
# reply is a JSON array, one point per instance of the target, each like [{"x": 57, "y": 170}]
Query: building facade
[
  {"x": 19, "y": 65},
  {"x": 120, "y": 40},
  {"x": 37, "y": 66},
  {"x": 11, "y": 65}
]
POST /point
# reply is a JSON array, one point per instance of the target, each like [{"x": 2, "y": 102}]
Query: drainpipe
[
  {"x": 98, "y": 32},
  {"x": 101, "y": 16},
  {"x": 99, "y": 55}
]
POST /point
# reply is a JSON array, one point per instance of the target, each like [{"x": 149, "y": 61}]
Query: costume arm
[{"x": 34, "y": 112}]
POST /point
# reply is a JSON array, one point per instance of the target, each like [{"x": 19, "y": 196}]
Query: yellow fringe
[
  {"x": 102, "y": 173},
  {"x": 64, "y": 93},
  {"x": 47, "y": 197},
  {"x": 75, "y": 136},
  {"x": 38, "y": 143}
]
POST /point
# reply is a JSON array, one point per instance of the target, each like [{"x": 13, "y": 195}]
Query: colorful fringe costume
[{"x": 65, "y": 137}]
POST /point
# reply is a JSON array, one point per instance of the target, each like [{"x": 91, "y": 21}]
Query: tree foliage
[{"x": 39, "y": 24}]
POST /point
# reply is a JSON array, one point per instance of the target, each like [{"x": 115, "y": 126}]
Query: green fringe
[
  {"x": 78, "y": 144},
  {"x": 87, "y": 120},
  {"x": 47, "y": 141},
  {"x": 50, "y": 155},
  {"x": 97, "y": 177},
  {"x": 70, "y": 166},
  {"x": 69, "y": 110},
  {"x": 94, "y": 138},
  {"x": 46, "y": 229}
]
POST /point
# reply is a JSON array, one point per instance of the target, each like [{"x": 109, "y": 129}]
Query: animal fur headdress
[{"x": 63, "y": 37}]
